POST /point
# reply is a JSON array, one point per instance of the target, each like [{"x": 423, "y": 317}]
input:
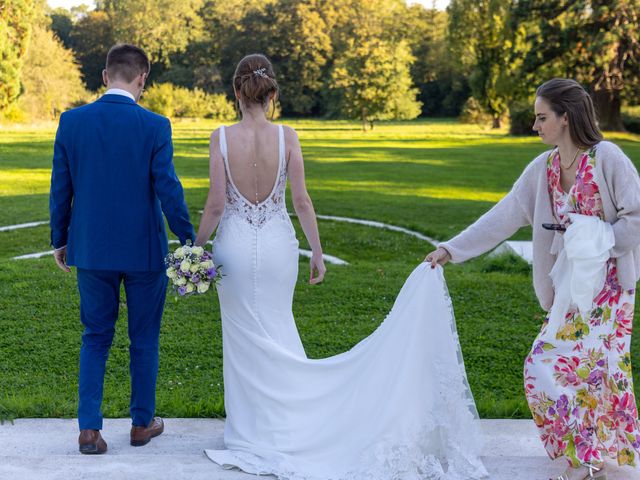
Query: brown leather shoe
[
  {"x": 91, "y": 442},
  {"x": 142, "y": 435}
]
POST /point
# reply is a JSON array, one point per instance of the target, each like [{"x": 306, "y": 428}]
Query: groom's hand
[
  {"x": 60, "y": 255},
  {"x": 440, "y": 256}
]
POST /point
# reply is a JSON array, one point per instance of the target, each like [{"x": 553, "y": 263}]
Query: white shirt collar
[{"x": 119, "y": 91}]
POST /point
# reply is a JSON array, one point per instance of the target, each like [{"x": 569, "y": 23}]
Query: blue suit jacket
[{"x": 112, "y": 179}]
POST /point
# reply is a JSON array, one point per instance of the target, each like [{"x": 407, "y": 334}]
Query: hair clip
[{"x": 261, "y": 72}]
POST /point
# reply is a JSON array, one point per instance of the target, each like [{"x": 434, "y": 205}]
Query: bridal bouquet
[{"x": 191, "y": 270}]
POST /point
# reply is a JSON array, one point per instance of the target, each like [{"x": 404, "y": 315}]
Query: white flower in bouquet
[
  {"x": 172, "y": 273},
  {"x": 203, "y": 287},
  {"x": 190, "y": 288},
  {"x": 185, "y": 266},
  {"x": 180, "y": 281},
  {"x": 207, "y": 264},
  {"x": 194, "y": 268},
  {"x": 179, "y": 253},
  {"x": 198, "y": 251}
]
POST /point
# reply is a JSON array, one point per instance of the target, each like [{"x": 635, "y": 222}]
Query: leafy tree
[
  {"x": 439, "y": 76},
  {"x": 480, "y": 34},
  {"x": 371, "y": 81},
  {"x": 370, "y": 77},
  {"x": 311, "y": 44},
  {"x": 16, "y": 17},
  {"x": 62, "y": 21},
  {"x": 196, "y": 67},
  {"x": 226, "y": 40},
  {"x": 160, "y": 27},
  {"x": 51, "y": 79},
  {"x": 595, "y": 42},
  {"x": 300, "y": 51},
  {"x": 91, "y": 38},
  {"x": 347, "y": 19},
  {"x": 292, "y": 33}
]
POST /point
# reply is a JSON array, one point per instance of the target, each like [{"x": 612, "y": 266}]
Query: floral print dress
[{"x": 579, "y": 387}]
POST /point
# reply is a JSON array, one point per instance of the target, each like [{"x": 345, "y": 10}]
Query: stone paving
[{"x": 35, "y": 449}]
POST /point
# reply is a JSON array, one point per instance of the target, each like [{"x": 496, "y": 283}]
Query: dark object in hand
[{"x": 553, "y": 226}]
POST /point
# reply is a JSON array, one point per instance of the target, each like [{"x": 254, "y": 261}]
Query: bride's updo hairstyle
[
  {"x": 568, "y": 96},
  {"x": 255, "y": 82}
]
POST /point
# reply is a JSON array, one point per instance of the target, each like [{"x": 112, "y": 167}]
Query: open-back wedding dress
[{"x": 395, "y": 406}]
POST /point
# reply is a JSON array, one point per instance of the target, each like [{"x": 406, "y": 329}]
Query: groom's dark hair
[{"x": 126, "y": 62}]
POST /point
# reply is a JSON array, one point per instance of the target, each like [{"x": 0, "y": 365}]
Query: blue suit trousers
[{"x": 99, "y": 306}]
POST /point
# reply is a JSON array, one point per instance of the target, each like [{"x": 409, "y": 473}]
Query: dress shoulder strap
[
  {"x": 281, "y": 148},
  {"x": 223, "y": 142},
  {"x": 223, "y": 150}
]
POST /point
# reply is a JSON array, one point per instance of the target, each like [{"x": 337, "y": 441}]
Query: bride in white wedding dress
[{"x": 395, "y": 406}]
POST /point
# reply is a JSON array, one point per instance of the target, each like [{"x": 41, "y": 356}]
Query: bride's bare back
[
  {"x": 252, "y": 155},
  {"x": 259, "y": 157}
]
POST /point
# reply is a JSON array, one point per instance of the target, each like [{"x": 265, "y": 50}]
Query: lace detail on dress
[
  {"x": 385, "y": 462},
  {"x": 256, "y": 215},
  {"x": 457, "y": 458}
]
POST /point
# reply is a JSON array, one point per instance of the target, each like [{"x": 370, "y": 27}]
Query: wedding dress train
[{"x": 395, "y": 406}]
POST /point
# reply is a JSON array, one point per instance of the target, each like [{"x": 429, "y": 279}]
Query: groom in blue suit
[{"x": 112, "y": 179}]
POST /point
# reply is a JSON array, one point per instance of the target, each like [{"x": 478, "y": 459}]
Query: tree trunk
[
  {"x": 364, "y": 119},
  {"x": 607, "y": 104},
  {"x": 496, "y": 121}
]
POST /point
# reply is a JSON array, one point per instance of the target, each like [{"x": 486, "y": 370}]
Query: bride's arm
[
  {"x": 303, "y": 205},
  {"x": 214, "y": 207}
]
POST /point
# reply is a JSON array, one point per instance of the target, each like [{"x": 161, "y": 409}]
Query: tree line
[{"x": 363, "y": 59}]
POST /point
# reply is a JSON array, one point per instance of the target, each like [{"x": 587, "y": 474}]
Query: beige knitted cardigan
[{"x": 528, "y": 203}]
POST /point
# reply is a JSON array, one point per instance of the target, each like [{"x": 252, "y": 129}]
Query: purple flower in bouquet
[
  {"x": 182, "y": 291},
  {"x": 195, "y": 278}
]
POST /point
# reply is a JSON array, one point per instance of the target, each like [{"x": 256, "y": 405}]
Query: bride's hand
[
  {"x": 438, "y": 256},
  {"x": 317, "y": 269}
]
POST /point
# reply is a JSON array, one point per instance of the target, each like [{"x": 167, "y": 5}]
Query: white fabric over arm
[{"x": 580, "y": 270}]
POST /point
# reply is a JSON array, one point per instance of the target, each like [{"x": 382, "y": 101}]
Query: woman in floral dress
[
  {"x": 578, "y": 380},
  {"x": 579, "y": 384}
]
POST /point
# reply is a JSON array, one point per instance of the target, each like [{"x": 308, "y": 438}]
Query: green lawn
[{"x": 435, "y": 177}]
